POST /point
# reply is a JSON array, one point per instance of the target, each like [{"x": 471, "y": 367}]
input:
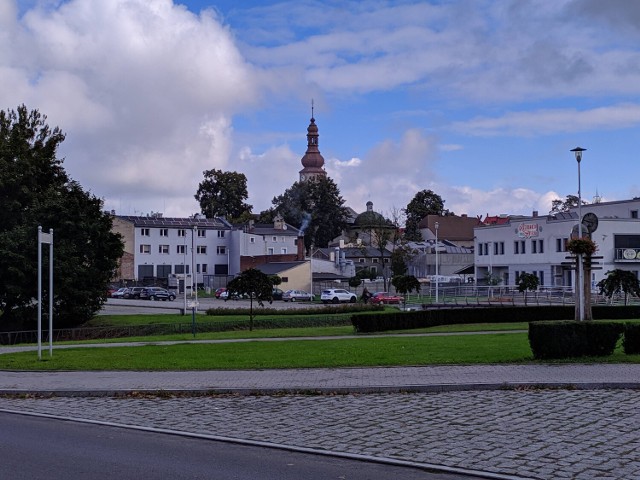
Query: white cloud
[
  {"x": 546, "y": 122},
  {"x": 354, "y": 162},
  {"x": 144, "y": 89}
]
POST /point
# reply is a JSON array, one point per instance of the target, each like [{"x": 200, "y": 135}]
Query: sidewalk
[{"x": 321, "y": 380}]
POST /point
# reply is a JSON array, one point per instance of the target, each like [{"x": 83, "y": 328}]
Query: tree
[
  {"x": 222, "y": 194},
  {"x": 527, "y": 281},
  {"x": 558, "y": 205},
  {"x": 424, "y": 203},
  {"x": 255, "y": 285},
  {"x": 316, "y": 207},
  {"x": 618, "y": 281},
  {"x": 36, "y": 191},
  {"x": 405, "y": 284}
]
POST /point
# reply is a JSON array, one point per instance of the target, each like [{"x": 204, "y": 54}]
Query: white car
[
  {"x": 337, "y": 295},
  {"x": 297, "y": 295}
]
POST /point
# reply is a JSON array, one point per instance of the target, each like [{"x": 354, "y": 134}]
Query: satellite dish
[{"x": 590, "y": 220}]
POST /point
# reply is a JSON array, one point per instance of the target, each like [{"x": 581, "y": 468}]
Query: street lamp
[
  {"x": 436, "y": 227},
  {"x": 580, "y": 287}
]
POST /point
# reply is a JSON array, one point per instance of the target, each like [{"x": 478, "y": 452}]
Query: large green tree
[
  {"x": 316, "y": 207},
  {"x": 425, "y": 202},
  {"x": 36, "y": 191},
  {"x": 223, "y": 194}
]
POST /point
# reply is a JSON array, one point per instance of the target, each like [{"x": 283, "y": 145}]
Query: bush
[
  {"x": 328, "y": 310},
  {"x": 631, "y": 343},
  {"x": 569, "y": 339},
  {"x": 380, "y": 322}
]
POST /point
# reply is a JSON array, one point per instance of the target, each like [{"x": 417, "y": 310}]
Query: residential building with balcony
[{"x": 537, "y": 244}]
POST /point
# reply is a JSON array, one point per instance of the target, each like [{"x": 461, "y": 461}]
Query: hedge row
[
  {"x": 327, "y": 310},
  {"x": 380, "y": 322},
  {"x": 631, "y": 343},
  {"x": 568, "y": 339}
]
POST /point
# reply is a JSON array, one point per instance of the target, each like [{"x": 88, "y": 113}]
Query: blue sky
[{"x": 479, "y": 101}]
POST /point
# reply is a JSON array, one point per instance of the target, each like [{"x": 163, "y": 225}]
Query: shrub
[
  {"x": 631, "y": 343},
  {"x": 568, "y": 339}
]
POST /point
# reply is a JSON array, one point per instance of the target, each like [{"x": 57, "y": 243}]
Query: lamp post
[
  {"x": 436, "y": 227},
  {"x": 580, "y": 283}
]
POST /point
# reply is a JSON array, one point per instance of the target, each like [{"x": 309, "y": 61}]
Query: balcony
[{"x": 627, "y": 255}]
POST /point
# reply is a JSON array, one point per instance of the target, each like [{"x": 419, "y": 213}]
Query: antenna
[{"x": 312, "y": 108}]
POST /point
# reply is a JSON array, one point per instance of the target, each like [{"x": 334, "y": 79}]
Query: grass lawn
[{"x": 409, "y": 350}]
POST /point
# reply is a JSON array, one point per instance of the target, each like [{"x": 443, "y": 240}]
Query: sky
[{"x": 480, "y": 101}]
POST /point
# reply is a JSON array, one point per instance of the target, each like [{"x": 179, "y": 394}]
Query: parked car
[
  {"x": 219, "y": 291},
  {"x": 297, "y": 295},
  {"x": 157, "y": 293},
  {"x": 337, "y": 295},
  {"x": 277, "y": 294},
  {"x": 122, "y": 292},
  {"x": 383, "y": 298},
  {"x": 134, "y": 292}
]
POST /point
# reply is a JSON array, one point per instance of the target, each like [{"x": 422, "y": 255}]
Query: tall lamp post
[
  {"x": 580, "y": 283},
  {"x": 437, "y": 280}
]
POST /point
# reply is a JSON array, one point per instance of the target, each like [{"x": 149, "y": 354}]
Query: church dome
[{"x": 369, "y": 218}]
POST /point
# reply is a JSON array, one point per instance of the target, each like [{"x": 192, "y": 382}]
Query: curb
[{"x": 437, "y": 388}]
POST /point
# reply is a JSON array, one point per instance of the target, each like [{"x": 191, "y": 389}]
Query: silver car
[
  {"x": 297, "y": 295},
  {"x": 337, "y": 295}
]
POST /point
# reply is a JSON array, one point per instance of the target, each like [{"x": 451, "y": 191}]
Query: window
[
  {"x": 252, "y": 239},
  {"x": 486, "y": 248},
  {"x": 495, "y": 248},
  {"x": 220, "y": 233},
  {"x": 145, "y": 232},
  {"x": 361, "y": 260},
  {"x": 534, "y": 246},
  {"x": 501, "y": 248},
  {"x": 202, "y": 233},
  {"x": 634, "y": 213},
  {"x": 541, "y": 277},
  {"x": 164, "y": 249},
  {"x": 222, "y": 250},
  {"x": 516, "y": 247},
  {"x": 164, "y": 271},
  {"x": 201, "y": 249},
  {"x": 145, "y": 248},
  {"x": 197, "y": 268},
  {"x": 374, "y": 260},
  {"x": 274, "y": 239},
  {"x": 182, "y": 232},
  {"x": 269, "y": 251},
  {"x": 204, "y": 268},
  {"x": 479, "y": 249},
  {"x": 164, "y": 232},
  {"x": 541, "y": 246},
  {"x": 179, "y": 269},
  {"x": 181, "y": 249},
  {"x": 283, "y": 251},
  {"x": 523, "y": 248}
]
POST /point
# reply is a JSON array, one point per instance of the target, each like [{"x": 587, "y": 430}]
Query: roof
[
  {"x": 189, "y": 222},
  {"x": 356, "y": 252},
  {"x": 451, "y": 227},
  {"x": 274, "y": 268}
]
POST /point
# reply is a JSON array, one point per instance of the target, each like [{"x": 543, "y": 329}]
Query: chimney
[
  {"x": 300, "y": 245},
  {"x": 535, "y": 213}
]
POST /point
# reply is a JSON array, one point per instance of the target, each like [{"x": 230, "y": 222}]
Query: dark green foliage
[
  {"x": 527, "y": 281},
  {"x": 346, "y": 308},
  {"x": 355, "y": 282},
  {"x": 385, "y": 321},
  {"x": 424, "y": 203},
  {"x": 405, "y": 284},
  {"x": 631, "y": 342},
  {"x": 570, "y": 202},
  {"x": 255, "y": 285},
  {"x": 620, "y": 281},
  {"x": 570, "y": 339},
  {"x": 35, "y": 190},
  {"x": 222, "y": 194},
  {"x": 315, "y": 207}
]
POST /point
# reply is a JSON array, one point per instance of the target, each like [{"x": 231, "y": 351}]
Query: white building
[
  {"x": 157, "y": 248},
  {"x": 536, "y": 244}
]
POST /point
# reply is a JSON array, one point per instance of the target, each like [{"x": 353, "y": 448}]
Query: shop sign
[{"x": 528, "y": 230}]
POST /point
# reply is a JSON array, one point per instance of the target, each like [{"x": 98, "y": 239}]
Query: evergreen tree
[{"x": 36, "y": 191}]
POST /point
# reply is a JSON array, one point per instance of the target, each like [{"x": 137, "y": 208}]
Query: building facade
[{"x": 537, "y": 244}]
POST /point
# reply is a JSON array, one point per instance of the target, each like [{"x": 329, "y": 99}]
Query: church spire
[{"x": 312, "y": 161}]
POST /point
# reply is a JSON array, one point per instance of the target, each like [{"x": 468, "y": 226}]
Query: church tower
[{"x": 312, "y": 161}]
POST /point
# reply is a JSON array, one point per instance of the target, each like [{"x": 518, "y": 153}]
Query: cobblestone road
[{"x": 526, "y": 433}]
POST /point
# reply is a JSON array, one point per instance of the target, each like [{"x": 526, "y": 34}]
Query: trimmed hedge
[
  {"x": 568, "y": 339},
  {"x": 367, "y": 323},
  {"x": 398, "y": 320},
  {"x": 267, "y": 310},
  {"x": 631, "y": 343}
]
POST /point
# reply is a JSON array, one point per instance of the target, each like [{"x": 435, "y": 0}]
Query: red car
[{"x": 385, "y": 298}]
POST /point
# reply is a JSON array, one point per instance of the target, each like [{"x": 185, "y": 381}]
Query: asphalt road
[{"x": 43, "y": 448}]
